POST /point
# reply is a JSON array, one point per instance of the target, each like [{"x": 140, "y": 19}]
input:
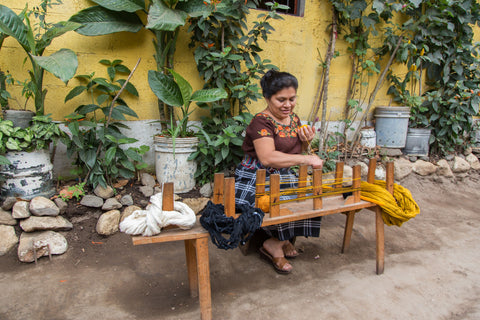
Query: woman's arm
[{"x": 269, "y": 157}]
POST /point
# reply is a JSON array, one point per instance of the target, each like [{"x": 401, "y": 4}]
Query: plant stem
[{"x": 112, "y": 104}]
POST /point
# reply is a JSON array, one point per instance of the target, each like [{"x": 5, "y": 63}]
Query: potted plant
[
  {"x": 25, "y": 158},
  {"x": 33, "y": 141},
  {"x": 174, "y": 146}
]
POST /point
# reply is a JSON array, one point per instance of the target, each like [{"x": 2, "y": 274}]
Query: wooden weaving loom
[{"x": 313, "y": 200}]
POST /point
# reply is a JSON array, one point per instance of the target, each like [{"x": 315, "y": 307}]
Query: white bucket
[
  {"x": 368, "y": 137},
  {"x": 173, "y": 165},
  {"x": 29, "y": 175}
]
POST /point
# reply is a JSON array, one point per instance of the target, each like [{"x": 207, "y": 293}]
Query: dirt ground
[{"x": 431, "y": 271}]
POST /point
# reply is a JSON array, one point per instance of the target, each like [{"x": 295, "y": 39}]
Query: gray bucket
[
  {"x": 417, "y": 143},
  {"x": 20, "y": 118},
  {"x": 391, "y": 125}
]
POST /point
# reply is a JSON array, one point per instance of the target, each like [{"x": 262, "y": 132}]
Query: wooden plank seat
[{"x": 311, "y": 203}]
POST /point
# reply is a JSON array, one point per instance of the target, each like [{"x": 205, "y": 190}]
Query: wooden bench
[{"x": 196, "y": 239}]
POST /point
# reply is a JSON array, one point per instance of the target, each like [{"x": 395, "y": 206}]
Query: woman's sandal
[
  {"x": 277, "y": 263},
  {"x": 289, "y": 248}
]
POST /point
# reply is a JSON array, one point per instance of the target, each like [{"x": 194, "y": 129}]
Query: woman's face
[{"x": 281, "y": 104}]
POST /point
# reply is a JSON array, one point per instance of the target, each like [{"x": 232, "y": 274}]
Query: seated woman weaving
[{"x": 274, "y": 141}]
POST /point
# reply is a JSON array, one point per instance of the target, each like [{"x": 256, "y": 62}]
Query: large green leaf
[
  {"x": 122, "y": 5},
  {"x": 98, "y": 21},
  {"x": 62, "y": 64},
  {"x": 162, "y": 18},
  {"x": 165, "y": 88},
  {"x": 56, "y": 31},
  {"x": 12, "y": 25},
  {"x": 209, "y": 95},
  {"x": 185, "y": 87}
]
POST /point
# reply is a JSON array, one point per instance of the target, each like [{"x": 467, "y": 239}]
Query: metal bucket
[
  {"x": 391, "y": 125},
  {"x": 417, "y": 143},
  {"x": 29, "y": 175},
  {"x": 20, "y": 118},
  {"x": 172, "y": 165}
]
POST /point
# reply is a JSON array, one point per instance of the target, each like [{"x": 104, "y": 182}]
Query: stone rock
[
  {"x": 111, "y": 204},
  {"x": 55, "y": 241},
  {"x": 467, "y": 151},
  {"x": 8, "y": 203},
  {"x": 157, "y": 189},
  {"x": 8, "y": 239},
  {"x": 444, "y": 169},
  {"x": 62, "y": 205},
  {"x": 460, "y": 165},
  {"x": 104, "y": 193},
  {"x": 108, "y": 222},
  {"x": 403, "y": 168},
  {"x": 380, "y": 173},
  {"x": 34, "y": 223},
  {"x": 449, "y": 157},
  {"x": 20, "y": 210},
  {"x": 126, "y": 200},
  {"x": 128, "y": 211},
  {"x": 196, "y": 204},
  {"x": 41, "y": 206},
  {"x": 363, "y": 167},
  {"x": 391, "y": 152},
  {"x": 424, "y": 168},
  {"x": 147, "y": 180},
  {"x": 6, "y": 218},
  {"x": 206, "y": 190},
  {"x": 146, "y": 191},
  {"x": 347, "y": 176},
  {"x": 473, "y": 161},
  {"x": 92, "y": 201}
]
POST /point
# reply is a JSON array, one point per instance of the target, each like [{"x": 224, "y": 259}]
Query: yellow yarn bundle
[{"x": 397, "y": 208}]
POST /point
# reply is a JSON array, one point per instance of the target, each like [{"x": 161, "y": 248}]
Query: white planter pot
[
  {"x": 173, "y": 166},
  {"x": 368, "y": 137},
  {"x": 29, "y": 175}
]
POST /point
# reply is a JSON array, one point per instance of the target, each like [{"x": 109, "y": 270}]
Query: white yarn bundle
[{"x": 149, "y": 222}]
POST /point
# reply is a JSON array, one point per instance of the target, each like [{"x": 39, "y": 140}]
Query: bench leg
[
  {"x": 203, "y": 269},
  {"x": 379, "y": 227},
  {"x": 348, "y": 230},
  {"x": 191, "y": 256}
]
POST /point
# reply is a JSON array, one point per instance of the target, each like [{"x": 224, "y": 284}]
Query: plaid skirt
[{"x": 245, "y": 178}]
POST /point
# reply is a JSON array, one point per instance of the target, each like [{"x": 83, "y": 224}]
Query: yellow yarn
[{"x": 396, "y": 208}]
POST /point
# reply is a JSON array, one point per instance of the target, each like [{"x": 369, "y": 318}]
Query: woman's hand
[
  {"x": 314, "y": 161},
  {"x": 306, "y": 133}
]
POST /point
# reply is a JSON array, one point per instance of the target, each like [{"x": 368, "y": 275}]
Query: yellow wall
[{"x": 293, "y": 47}]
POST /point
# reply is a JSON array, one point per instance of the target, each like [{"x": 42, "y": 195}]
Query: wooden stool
[{"x": 196, "y": 251}]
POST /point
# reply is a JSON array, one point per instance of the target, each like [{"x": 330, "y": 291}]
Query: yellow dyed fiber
[{"x": 396, "y": 208}]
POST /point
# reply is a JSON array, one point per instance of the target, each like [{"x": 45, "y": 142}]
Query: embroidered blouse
[{"x": 285, "y": 137}]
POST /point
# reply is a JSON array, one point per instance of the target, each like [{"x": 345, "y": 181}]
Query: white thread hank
[{"x": 150, "y": 222}]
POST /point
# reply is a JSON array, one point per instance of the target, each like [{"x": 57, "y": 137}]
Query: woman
[{"x": 275, "y": 140}]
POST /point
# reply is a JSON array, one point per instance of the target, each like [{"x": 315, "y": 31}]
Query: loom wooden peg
[
  {"x": 218, "y": 186},
  {"x": 274, "y": 195},
  {"x": 229, "y": 198},
  {"x": 390, "y": 176},
  {"x": 317, "y": 189},
  {"x": 338, "y": 174},
  {"x": 167, "y": 196},
  {"x": 302, "y": 179},
  {"x": 260, "y": 184},
  {"x": 372, "y": 165},
  {"x": 357, "y": 176}
]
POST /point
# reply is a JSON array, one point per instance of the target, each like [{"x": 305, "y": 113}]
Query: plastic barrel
[{"x": 391, "y": 125}]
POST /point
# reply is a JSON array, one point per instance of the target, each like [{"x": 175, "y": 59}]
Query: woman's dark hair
[{"x": 274, "y": 81}]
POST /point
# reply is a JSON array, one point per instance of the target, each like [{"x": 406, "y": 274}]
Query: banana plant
[
  {"x": 164, "y": 19},
  {"x": 174, "y": 90},
  {"x": 62, "y": 63}
]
